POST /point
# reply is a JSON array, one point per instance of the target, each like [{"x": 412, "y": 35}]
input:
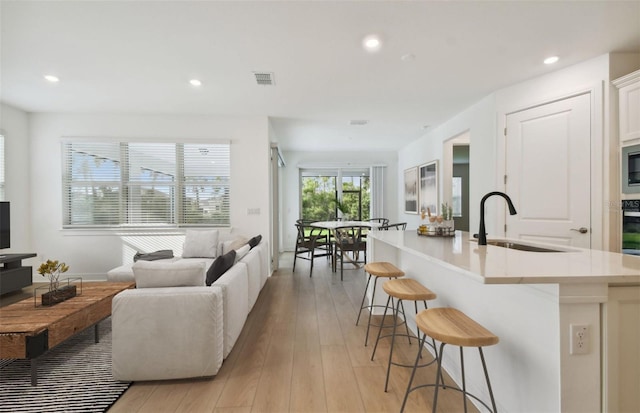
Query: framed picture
[
  {"x": 428, "y": 189},
  {"x": 411, "y": 190}
]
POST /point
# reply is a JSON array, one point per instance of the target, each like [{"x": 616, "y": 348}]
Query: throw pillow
[
  {"x": 242, "y": 251},
  {"x": 255, "y": 241},
  {"x": 152, "y": 256},
  {"x": 200, "y": 244},
  {"x": 220, "y": 266},
  {"x": 234, "y": 244},
  {"x": 155, "y": 274}
]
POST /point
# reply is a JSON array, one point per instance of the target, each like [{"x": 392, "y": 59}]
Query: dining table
[{"x": 333, "y": 225}]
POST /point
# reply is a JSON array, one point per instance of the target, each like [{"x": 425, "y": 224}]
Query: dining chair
[
  {"x": 381, "y": 221},
  {"x": 401, "y": 226},
  {"x": 311, "y": 243},
  {"x": 350, "y": 241}
]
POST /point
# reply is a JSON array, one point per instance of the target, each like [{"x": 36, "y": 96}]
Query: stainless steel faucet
[{"x": 482, "y": 232}]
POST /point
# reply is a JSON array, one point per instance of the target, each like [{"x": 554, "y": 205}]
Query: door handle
[{"x": 581, "y": 230}]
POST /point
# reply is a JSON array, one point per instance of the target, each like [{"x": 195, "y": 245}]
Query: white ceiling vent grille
[
  {"x": 264, "y": 78},
  {"x": 358, "y": 122}
]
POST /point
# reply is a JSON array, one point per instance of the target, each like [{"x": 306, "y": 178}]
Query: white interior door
[{"x": 548, "y": 164}]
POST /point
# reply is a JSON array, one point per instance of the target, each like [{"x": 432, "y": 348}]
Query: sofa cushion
[
  {"x": 156, "y": 274},
  {"x": 234, "y": 244},
  {"x": 200, "y": 244},
  {"x": 220, "y": 266},
  {"x": 242, "y": 251},
  {"x": 252, "y": 261},
  {"x": 255, "y": 241},
  {"x": 167, "y": 333}
]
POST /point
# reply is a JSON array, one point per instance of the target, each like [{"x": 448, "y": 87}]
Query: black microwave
[{"x": 631, "y": 169}]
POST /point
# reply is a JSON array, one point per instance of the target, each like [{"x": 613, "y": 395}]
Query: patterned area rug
[{"x": 73, "y": 377}]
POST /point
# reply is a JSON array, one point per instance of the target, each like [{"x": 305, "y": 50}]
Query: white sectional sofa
[{"x": 177, "y": 327}]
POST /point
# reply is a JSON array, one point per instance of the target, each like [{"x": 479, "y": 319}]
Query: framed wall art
[
  {"x": 411, "y": 190},
  {"x": 428, "y": 187}
]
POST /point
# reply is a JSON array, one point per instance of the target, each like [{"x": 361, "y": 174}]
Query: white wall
[
  {"x": 92, "y": 253},
  {"x": 479, "y": 121},
  {"x": 291, "y": 184},
  {"x": 484, "y": 121},
  {"x": 14, "y": 124}
]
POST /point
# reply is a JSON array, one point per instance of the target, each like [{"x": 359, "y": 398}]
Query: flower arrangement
[{"x": 52, "y": 270}]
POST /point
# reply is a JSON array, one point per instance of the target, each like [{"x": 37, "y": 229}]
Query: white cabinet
[{"x": 629, "y": 106}]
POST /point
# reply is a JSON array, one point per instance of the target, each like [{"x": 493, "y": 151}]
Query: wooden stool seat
[
  {"x": 451, "y": 326},
  {"x": 408, "y": 289},
  {"x": 383, "y": 269}
]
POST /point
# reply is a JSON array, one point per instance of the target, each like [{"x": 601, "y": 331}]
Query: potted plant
[
  {"x": 52, "y": 270},
  {"x": 342, "y": 208},
  {"x": 447, "y": 215}
]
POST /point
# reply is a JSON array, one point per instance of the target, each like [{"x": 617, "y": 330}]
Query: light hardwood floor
[{"x": 300, "y": 351}]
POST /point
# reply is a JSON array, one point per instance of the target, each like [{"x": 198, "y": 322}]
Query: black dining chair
[
  {"x": 311, "y": 243},
  {"x": 381, "y": 221},
  {"x": 401, "y": 226},
  {"x": 350, "y": 242}
]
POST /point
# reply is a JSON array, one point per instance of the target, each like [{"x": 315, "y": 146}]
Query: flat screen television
[{"x": 5, "y": 224}]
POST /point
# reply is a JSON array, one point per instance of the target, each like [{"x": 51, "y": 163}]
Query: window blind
[{"x": 145, "y": 184}]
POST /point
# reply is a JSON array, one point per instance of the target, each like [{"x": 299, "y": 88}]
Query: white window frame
[{"x": 127, "y": 213}]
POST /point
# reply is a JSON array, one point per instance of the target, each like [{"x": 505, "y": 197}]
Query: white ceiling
[{"x": 137, "y": 57}]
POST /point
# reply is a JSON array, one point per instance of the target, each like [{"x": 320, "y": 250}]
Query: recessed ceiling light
[
  {"x": 195, "y": 82},
  {"x": 551, "y": 60},
  {"x": 51, "y": 78},
  {"x": 372, "y": 43}
]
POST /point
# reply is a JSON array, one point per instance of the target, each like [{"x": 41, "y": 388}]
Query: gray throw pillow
[
  {"x": 220, "y": 266},
  {"x": 255, "y": 241}
]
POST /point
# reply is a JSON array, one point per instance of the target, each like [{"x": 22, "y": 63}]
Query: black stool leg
[
  {"x": 393, "y": 340},
  {"x": 363, "y": 297},
  {"x": 380, "y": 329},
  {"x": 413, "y": 372},
  {"x": 464, "y": 384},
  {"x": 486, "y": 375},
  {"x": 373, "y": 296},
  {"x": 406, "y": 325},
  {"x": 438, "y": 375}
]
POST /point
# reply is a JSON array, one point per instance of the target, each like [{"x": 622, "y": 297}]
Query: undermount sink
[{"x": 521, "y": 247}]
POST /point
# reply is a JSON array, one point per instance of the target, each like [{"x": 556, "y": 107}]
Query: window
[
  {"x": 145, "y": 184},
  {"x": 1, "y": 167},
  {"x": 456, "y": 201},
  {"x": 320, "y": 189},
  {"x": 318, "y": 197}
]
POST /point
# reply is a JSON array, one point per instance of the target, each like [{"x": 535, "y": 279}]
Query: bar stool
[
  {"x": 378, "y": 269},
  {"x": 451, "y": 326},
  {"x": 403, "y": 289}
]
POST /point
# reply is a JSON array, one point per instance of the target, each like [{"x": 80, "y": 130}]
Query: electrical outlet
[{"x": 579, "y": 338}]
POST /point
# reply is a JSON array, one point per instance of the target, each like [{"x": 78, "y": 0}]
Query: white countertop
[{"x": 497, "y": 265}]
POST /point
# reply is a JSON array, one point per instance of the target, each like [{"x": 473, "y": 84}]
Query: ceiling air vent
[
  {"x": 264, "y": 78},
  {"x": 358, "y": 122}
]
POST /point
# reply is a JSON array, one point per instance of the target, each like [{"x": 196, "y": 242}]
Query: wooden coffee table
[{"x": 27, "y": 331}]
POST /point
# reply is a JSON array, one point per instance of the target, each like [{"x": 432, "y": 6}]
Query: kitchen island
[{"x": 531, "y": 300}]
